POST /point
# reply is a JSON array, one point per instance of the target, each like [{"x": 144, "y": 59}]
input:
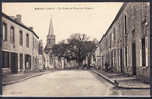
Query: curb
[
  {"x": 115, "y": 85},
  {"x": 25, "y": 78},
  {"x": 123, "y": 87},
  {"x": 105, "y": 77}
]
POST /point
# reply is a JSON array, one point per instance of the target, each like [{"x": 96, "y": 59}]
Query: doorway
[
  {"x": 27, "y": 62},
  {"x": 21, "y": 62},
  {"x": 134, "y": 58},
  {"x": 121, "y": 61},
  {"x": 143, "y": 53},
  {"x": 14, "y": 63}
]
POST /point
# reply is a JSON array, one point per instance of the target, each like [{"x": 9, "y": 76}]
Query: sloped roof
[{"x": 22, "y": 25}]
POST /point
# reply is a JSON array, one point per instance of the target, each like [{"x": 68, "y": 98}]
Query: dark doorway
[
  {"x": 14, "y": 63},
  {"x": 126, "y": 55},
  {"x": 5, "y": 59},
  {"x": 143, "y": 53},
  {"x": 134, "y": 58},
  {"x": 111, "y": 59},
  {"x": 21, "y": 62},
  {"x": 121, "y": 61},
  {"x": 27, "y": 62}
]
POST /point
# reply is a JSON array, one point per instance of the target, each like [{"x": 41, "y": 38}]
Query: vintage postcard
[{"x": 87, "y": 49}]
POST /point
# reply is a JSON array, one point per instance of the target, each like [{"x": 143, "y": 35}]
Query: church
[{"x": 50, "y": 42}]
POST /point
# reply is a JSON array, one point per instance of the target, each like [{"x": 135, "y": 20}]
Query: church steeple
[
  {"x": 50, "y": 36},
  {"x": 51, "y": 29}
]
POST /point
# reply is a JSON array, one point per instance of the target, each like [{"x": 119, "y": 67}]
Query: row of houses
[
  {"x": 125, "y": 47},
  {"x": 21, "y": 48}
]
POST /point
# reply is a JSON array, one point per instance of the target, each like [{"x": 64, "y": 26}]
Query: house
[
  {"x": 19, "y": 45},
  {"x": 125, "y": 46}
]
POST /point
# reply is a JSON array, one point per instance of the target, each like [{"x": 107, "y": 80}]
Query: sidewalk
[
  {"x": 122, "y": 81},
  {"x": 14, "y": 78}
]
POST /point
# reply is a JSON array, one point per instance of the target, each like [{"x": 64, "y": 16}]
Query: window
[
  {"x": 27, "y": 40},
  {"x": 110, "y": 39},
  {"x": 12, "y": 34},
  {"x": 36, "y": 44},
  {"x": 114, "y": 34},
  {"x": 125, "y": 25},
  {"x": 4, "y": 31},
  {"x": 21, "y": 38},
  {"x": 33, "y": 43},
  {"x": 133, "y": 34}
]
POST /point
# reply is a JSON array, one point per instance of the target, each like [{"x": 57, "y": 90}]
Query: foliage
[{"x": 77, "y": 48}]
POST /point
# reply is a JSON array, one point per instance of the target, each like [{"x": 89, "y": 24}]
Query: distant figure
[
  {"x": 106, "y": 66},
  {"x": 116, "y": 83},
  {"x": 27, "y": 66}
]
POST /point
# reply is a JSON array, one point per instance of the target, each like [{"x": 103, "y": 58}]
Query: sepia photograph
[{"x": 73, "y": 49}]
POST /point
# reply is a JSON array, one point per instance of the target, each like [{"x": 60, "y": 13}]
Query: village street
[
  {"x": 67, "y": 83},
  {"x": 88, "y": 50}
]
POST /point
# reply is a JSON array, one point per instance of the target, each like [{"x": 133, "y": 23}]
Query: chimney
[
  {"x": 13, "y": 17},
  {"x": 18, "y": 18},
  {"x": 31, "y": 28}
]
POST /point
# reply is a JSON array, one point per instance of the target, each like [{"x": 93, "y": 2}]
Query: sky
[{"x": 89, "y": 18}]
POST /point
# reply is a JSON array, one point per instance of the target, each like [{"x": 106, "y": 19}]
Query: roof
[
  {"x": 102, "y": 38},
  {"x": 117, "y": 16},
  {"x": 8, "y": 17}
]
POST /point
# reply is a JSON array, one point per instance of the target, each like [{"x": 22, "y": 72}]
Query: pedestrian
[
  {"x": 27, "y": 66},
  {"x": 106, "y": 66},
  {"x": 116, "y": 83}
]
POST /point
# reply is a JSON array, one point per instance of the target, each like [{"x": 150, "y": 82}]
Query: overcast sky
[{"x": 92, "y": 19}]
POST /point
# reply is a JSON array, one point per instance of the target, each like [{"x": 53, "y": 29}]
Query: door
[
  {"x": 14, "y": 61},
  {"x": 143, "y": 53},
  {"x": 27, "y": 60},
  {"x": 121, "y": 65},
  {"x": 21, "y": 62},
  {"x": 134, "y": 58}
]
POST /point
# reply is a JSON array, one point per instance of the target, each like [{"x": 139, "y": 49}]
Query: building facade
[
  {"x": 19, "y": 45},
  {"x": 125, "y": 46}
]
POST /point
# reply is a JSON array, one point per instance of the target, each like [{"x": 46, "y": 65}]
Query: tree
[
  {"x": 77, "y": 48},
  {"x": 81, "y": 46},
  {"x": 59, "y": 50}
]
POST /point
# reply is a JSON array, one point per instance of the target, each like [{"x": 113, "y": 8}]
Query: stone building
[
  {"x": 19, "y": 45},
  {"x": 49, "y": 45},
  {"x": 126, "y": 44}
]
